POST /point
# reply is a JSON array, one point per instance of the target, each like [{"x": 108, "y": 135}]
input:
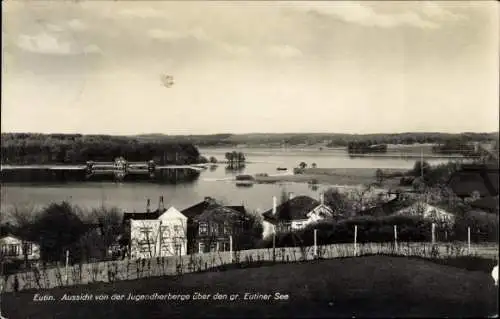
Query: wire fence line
[{"x": 128, "y": 269}]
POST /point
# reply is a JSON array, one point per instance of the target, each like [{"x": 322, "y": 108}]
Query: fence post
[
  {"x": 355, "y": 240},
  {"x": 67, "y": 271},
  {"x": 1, "y": 290},
  {"x": 468, "y": 238},
  {"x": 396, "y": 237},
  {"x": 315, "y": 244},
  {"x": 231, "y": 247},
  {"x": 433, "y": 233},
  {"x": 274, "y": 247}
]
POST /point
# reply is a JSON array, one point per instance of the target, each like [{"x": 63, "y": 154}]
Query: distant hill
[{"x": 327, "y": 139}]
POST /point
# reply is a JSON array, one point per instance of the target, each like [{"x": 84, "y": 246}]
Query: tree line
[
  {"x": 333, "y": 139},
  {"x": 31, "y": 148}
]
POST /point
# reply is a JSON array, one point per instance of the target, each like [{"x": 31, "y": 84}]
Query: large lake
[{"x": 216, "y": 183}]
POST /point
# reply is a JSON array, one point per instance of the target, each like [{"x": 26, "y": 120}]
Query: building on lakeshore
[
  {"x": 294, "y": 214},
  {"x": 16, "y": 249},
  {"x": 160, "y": 233},
  {"x": 212, "y": 226}
]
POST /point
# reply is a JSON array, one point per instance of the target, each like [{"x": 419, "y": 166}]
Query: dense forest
[
  {"x": 28, "y": 148},
  {"x": 364, "y": 147},
  {"x": 332, "y": 139}
]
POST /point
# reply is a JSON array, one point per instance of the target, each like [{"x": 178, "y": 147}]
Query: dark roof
[
  {"x": 489, "y": 203},
  {"x": 240, "y": 209},
  {"x": 197, "y": 209},
  {"x": 294, "y": 209},
  {"x": 220, "y": 213},
  {"x": 142, "y": 216},
  {"x": 206, "y": 205},
  {"x": 474, "y": 177},
  {"x": 385, "y": 209}
]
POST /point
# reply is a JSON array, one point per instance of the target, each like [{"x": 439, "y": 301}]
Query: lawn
[{"x": 372, "y": 286}]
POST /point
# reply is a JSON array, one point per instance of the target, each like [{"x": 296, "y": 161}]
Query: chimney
[
  {"x": 322, "y": 198},
  {"x": 148, "y": 205},
  {"x": 275, "y": 201},
  {"x": 161, "y": 206},
  {"x": 290, "y": 195}
]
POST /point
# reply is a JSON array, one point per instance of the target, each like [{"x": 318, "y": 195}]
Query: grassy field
[
  {"x": 337, "y": 176},
  {"x": 375, "y": 286}
]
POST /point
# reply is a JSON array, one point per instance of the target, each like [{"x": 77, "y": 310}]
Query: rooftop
[{"x": 296, "y": 208}]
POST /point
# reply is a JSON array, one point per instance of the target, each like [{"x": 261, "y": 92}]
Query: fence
[{"x": 128, "y": 269}]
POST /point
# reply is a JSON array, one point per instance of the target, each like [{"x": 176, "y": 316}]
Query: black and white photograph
[{"x": 249, "y": 159}]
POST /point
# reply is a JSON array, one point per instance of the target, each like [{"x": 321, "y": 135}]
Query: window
[
  {"x": 213, "y": 247},
  {"x": 201, "y": 247},
  {"x": 11, "y": 250},
  {"x": 145, "y": 231},
  {"x": 177, "y": 229},
  {"x": 215, "y": 229},
  {"x": 178, "y": 249},
  {"x": 227, "y": 228},
  {"x": 144, "y": 248},
  {"x": 165, "y": 231},
  {"x": 203, "y": 229}
]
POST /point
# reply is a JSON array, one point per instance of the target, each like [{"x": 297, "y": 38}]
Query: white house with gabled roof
[{"x": 160, "y": 237}]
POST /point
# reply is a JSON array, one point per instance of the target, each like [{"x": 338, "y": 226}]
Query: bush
[
  {"x": 370, "y": 229},
  {"x": 484, "y": 226}
]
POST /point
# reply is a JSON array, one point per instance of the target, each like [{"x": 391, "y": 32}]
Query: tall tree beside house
[
  {"x": 250, "y": 233},
  {"x": 56, "y": 227},
  {"x": 337, "y": 201}
]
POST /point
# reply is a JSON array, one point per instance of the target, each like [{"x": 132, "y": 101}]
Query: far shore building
[
  {"x": 161, "y": 233},
  {"x": 294, "y": 214}
]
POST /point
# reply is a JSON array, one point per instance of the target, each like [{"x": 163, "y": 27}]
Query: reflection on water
[{"x": 218, "y": 183}]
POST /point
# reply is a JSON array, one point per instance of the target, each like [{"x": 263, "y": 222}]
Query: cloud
[
  {"x": 45, "y": 43},
  {"x": 54, "y": 27},
  {"x": 365, "y": 15},
  {"x": 285, "y": 51},
  {"x": 237, "y": 50},
  {"x": 435, "y": 11},
  {"x": 77, "y": 25},
  {"x": 160, "y": 34},
  {"x": 92, "y": 48},
  {"x": 138, "y": 12}
]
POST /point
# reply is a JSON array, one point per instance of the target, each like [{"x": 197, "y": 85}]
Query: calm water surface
[{"x": 216, "y": 183}]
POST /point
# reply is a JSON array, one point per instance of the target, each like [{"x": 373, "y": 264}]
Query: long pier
[
  {"x": 111, "y": 167},
  {"x": 120, "y": 170}
]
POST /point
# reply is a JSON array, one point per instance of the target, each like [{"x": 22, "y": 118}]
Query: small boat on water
[
  {"x": 244, "y": 184},
  {"x": 282, "y": 169}
]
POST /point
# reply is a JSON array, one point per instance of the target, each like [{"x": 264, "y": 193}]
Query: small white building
[
  {"x": 15, "y": 248},
  {"x": 295, "y": 214},
  {"x": 161, "y": 237},
  {"x": 428, "y": 212}
]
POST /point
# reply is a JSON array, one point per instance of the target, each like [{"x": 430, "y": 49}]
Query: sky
[{"x": 97, "y": 67}]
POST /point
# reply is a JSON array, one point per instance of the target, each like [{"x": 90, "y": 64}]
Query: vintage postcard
[{"x": 249, "y": 159}]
